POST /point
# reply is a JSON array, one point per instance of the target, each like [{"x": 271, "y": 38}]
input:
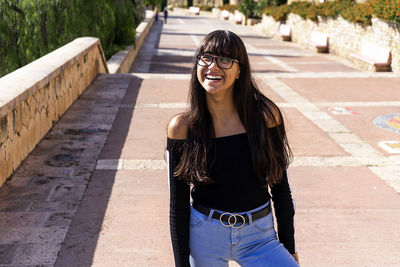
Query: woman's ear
[{"x": 238, "y": 75}]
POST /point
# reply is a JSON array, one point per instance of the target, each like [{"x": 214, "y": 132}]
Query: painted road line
[
  {"x": 336, "y": 74},
  {"x": 302, "y": 161},
  {"x": 171, "y": 76},
  {"x": 170, "y": 52},
  {"x": 280, "y": 63},
  {"x": 160, "y": 105},
  {"x": 176, "y": 76},
  {"x": 359, "y": 149},
  {"x": 360, "y": 104},
  {"x": 280, "y": 104},
  {"x": 131, "y": 164}
]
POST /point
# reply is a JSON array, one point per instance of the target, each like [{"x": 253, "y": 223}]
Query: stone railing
[
  {"x": 34, "y": 97},
  {"x": 344, "y": 37}
]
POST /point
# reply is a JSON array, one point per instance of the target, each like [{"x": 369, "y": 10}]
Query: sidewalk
[{"x": 94, "y": 192}]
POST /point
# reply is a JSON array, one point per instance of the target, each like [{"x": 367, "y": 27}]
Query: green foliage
[
  {"x": 388, "y": 10},
  {"x": 30, "y": 29},
  {"x": 358, "y": 13},
  {"x": 206, "y": 8},
  {"x": 260, "y": 5},
  {"x": 154, "y": 3},
  {"x": 125, "y": 22},
  {"x": 230, "y": 8},
  {"x": 279, "y": 13},
  {"x": 247, "y": 8}
]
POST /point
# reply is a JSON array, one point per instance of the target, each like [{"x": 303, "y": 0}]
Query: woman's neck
[{"x": 225, "y": 117}]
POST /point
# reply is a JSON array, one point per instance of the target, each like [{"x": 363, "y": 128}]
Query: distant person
[
  {"x": 165, "y": 14},
  {"x": 227, "y": 150}
]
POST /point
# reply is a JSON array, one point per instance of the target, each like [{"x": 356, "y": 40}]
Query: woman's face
[{"x": 215, "y": 79}]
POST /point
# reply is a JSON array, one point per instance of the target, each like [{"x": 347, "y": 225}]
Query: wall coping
[{"x": 20, "y": 84}]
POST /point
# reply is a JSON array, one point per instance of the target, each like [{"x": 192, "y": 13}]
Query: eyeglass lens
[{"x": 222, "y": 62}]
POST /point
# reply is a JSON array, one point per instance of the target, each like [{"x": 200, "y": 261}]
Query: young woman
[{"x": 230, "y": 147}]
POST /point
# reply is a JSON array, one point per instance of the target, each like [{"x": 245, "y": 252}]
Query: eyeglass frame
[{"x": 216, "y": 60}]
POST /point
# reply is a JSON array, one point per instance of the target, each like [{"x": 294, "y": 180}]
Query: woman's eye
[
  {"x": 207, "y": 59},
  {"x": 225, "y": 59}
]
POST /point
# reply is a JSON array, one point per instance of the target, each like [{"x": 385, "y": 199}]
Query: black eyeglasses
[{"x": 222, "y": 62}]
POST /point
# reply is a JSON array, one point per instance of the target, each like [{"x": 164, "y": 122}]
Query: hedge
[
  {"x": 388, "y": 10},
  {"x": 30, "y": 29}
]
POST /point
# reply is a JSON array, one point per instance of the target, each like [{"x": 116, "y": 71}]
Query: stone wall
[
  {"x": 344, "y": 37},
  {"x": 35, "y": 96}
]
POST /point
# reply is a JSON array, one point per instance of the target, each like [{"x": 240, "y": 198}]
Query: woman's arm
[
  {"x": 284, "y": 211},
  {"x": 179, "y": 213}
]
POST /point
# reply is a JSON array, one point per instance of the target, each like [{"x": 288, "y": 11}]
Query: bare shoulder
[
  {"x": 177, "y": 127},
  {"x": 275, "y": 118}
]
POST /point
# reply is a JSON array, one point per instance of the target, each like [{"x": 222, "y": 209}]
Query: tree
[
  {"x": 247, "y": 8},
  {"x": 30, "y": 29}
]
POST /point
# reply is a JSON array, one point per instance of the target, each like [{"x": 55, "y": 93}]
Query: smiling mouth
[{"x": 213, "y": 77}]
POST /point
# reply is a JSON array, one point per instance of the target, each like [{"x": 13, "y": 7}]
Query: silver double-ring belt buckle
[{"x": 232, "y": 220}]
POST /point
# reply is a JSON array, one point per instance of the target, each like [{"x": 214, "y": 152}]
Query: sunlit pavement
[{"x": 94, "y": 192}]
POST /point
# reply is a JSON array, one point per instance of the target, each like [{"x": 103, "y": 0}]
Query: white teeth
[{"x": 213, "y": 77}]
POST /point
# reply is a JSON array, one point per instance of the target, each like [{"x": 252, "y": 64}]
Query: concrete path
[{"x": 94, "y": 192}]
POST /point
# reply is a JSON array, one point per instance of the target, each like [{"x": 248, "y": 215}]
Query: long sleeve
[
  {"x": 179, "y": 214},
  {"x": 284, "y": 211}
]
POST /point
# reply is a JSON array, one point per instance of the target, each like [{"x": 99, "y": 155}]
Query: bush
[
  {"x": 230, "y": 8},
  {"x": 30, "y": 29},
  {"x": 206, "y": 8},
  {"x": 388, "y": 10},
  {"x": 360, "y": 13},
  {"x": 260, "y": 5},
  {"x": 279, "y": 13},
  {"x": 247, "y": 8}
]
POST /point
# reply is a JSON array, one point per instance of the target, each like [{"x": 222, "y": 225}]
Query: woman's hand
[{"x": 296, "y": 257}]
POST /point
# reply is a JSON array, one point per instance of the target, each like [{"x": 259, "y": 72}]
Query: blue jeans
[{"x": 253, "y": 245}]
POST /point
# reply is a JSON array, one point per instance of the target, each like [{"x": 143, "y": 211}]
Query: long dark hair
[{"x": 269, "y": 147}]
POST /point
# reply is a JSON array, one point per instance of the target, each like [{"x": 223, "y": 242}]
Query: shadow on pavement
[
  {"x": 78, "y": 248},
  {"x": 204, "y": 34}
]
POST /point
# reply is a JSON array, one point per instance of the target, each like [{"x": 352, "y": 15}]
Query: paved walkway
[{"x": 94, "y": 192}]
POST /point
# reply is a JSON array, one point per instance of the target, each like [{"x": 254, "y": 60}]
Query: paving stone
[
  {"x": 64, "y": 205},
  {"x": 15, "y": 205},
  {"x": 60, "y": 219},
  {"x": 12, "y": 235},
  {"x": 31, "y": 193},
  {"x": 45, "y": 235},
  {"x": 23, "y": 219},
  {"x": 7, "y": 253},
  {"x": 36, "y": 254}
]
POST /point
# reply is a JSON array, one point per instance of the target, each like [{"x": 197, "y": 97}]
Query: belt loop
[
  {"x": 250, "y": 217},
  {"x": 210, "y": 215}
]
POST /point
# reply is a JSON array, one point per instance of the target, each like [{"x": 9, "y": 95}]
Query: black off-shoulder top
[{"x": 235, "y": 188}]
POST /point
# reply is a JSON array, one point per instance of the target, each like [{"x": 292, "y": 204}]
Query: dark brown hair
[{"x": 269, "y": 147}]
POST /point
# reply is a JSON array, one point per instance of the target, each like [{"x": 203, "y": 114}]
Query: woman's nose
[{"x": 213, "y": 64}]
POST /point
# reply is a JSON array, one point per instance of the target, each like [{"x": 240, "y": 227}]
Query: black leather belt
[{"x": 229, "y": 219}]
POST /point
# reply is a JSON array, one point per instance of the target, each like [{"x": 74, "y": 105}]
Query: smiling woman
[
  {"x": 212, "y": 70},
  {"x": 230, "y": 147}
]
